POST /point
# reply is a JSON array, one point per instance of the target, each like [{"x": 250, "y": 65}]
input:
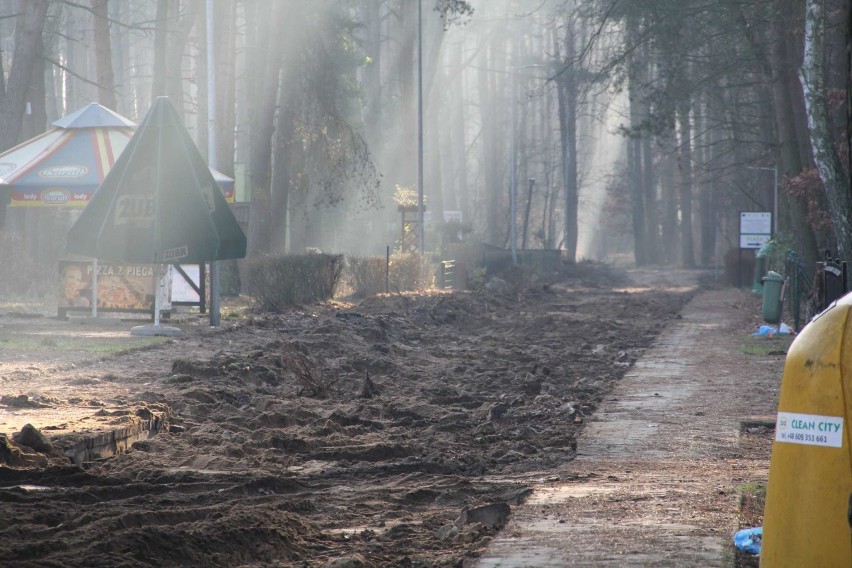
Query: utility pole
[{"x": 211, "y": 149}]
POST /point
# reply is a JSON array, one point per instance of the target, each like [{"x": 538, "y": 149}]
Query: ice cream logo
[
  {"x": 55, "y": 196},
  {"x": 63, "y": 172}
]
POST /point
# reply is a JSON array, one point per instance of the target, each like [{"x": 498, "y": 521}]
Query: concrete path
[{"x": 656, "y": 479}]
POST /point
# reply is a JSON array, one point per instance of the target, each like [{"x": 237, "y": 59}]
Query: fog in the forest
[
  {"x": 469, "y": 70},
  {"x": 618, "y": 128}
]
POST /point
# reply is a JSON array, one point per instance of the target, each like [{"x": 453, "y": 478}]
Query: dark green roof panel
[{"x": 159, "y": 203}]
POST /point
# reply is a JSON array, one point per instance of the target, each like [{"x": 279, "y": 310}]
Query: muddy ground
[{"x": 395, "y": 432}]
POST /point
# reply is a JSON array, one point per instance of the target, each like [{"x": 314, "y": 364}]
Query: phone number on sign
[{"x": 804, "y": 438}]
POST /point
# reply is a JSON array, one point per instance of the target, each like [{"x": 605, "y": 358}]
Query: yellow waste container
[{"x": 807, "y": 516}]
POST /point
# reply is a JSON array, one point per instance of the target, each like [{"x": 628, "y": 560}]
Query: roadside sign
[{"x": 755, "y": 229}]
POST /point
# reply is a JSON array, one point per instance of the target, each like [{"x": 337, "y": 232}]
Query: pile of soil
[{"x": 398, "y": 432}]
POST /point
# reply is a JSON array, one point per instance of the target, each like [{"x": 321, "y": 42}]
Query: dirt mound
[{"x": 330, "y": 433}]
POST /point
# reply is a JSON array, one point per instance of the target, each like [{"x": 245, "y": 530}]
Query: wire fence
[
  {"x": 799, "y": 282},
  {"x": 807, "y": 292}
]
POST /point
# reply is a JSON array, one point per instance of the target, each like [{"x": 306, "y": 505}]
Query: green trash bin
[
  {"x": 761, "y": 265},
  {"x": 773, "y": 283}
]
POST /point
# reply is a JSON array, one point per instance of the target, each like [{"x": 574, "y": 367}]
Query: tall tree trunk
[
  {"x": 35, "y": 121},
  {"x": 120, "y": 59},
  {"x": 432, "y": 111},
  {"x": 793, "y": 150},
  {"x": 547, "y": 222},
  {"x": 371, "y": 14},
  {"x": 202, "y": 116},
  {"x": 263, "y": 127},
  {"x": 406, "y": 74},
  {"x": 707, "y": 196},
  {"x": 161, "y": 42},
  {"x": 669, "y": 199},
  {"x": 70, "y": 61},
  {"x": 175, "y": 51},
  {"x": 283, "y": 173},
  {"x": 688, "y": 250},
  {"x": 28, "y": 29},
  {"x": 226, "y": 119},
  {"x": 444, "y": 122},
  {"x": 827, "y": 161},
  {"x": 2, "y": 77},
  {"x": 567, "y": 99},
  {"x": 649, "y": 191},
  {"x": 103, "y": 54},
  {"x": 458, "y": 142},
  {"x": 488, "y": 100},
  {"x": 634, "y": 147}
]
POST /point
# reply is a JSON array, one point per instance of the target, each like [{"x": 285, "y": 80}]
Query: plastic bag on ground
[
  {"x": 748, "y": 540},
  {"x": 766, "y": 330}
]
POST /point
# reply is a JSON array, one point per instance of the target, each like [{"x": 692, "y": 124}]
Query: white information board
[{"x": 755, "y": 229}]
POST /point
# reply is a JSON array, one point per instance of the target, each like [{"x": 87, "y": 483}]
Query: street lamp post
[
  {"x": 774, "y": 170},
  {"x": 215, "y": 288},
  {"x": 513, "y": 190}
]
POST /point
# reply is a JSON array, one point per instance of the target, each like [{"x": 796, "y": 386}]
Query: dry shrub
[
  {"x": 313, "y": 383},
  {"x": 280, "y": 281},
  {"x": 366, "y": 275},
  {"x": 409, "y": 271}
]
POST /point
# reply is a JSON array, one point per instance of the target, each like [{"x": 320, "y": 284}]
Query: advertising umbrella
[
  {"x": 159, "y": 203},
  {"x": 65, "y": 165}
]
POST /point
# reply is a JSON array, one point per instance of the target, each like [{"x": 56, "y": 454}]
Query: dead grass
[{"x": 104, "y": 346}]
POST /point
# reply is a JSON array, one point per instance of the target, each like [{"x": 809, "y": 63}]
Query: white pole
[
  {"x": 421, "y": 239},
  {"x": 94, "y": 287},
  {"x": 158, "y": 283},
  {"x": 211, "y": 148}
]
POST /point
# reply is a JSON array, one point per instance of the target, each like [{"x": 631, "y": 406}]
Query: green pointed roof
[{"x": 159, "y": 203}]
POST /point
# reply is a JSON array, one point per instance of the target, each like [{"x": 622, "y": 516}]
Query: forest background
[{"x": 623, "y": 127}]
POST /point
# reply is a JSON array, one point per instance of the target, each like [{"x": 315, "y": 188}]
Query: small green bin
[{"x": 772, "y": 300}]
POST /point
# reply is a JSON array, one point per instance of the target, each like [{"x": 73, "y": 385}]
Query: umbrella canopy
[
  {"x": 159, "y": 203},
  {"x": 66, "y": 164}
]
